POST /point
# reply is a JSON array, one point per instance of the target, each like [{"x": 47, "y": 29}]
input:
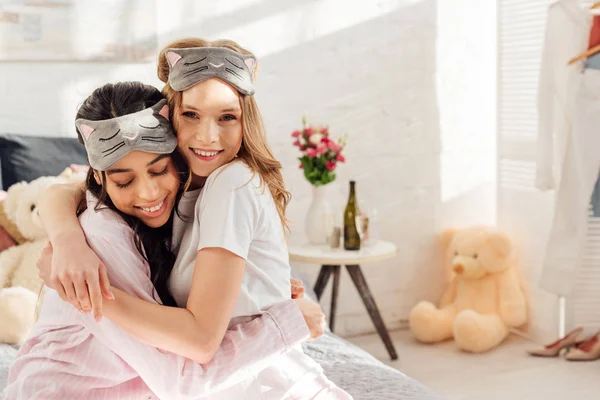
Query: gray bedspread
[
  {"x": 350, "y": 367},
  {"x": 361, "y": 375}
]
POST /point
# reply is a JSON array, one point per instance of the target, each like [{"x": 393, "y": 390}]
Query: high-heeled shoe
[
  {"x": 589, "y": 350},
  {"x": 554, "y": 349}
]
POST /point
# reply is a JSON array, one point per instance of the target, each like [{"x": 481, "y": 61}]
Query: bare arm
[
  {"x": 195, "y": 331},
  {"x": 78, "y": 275},
  {"x": 58, "y": 210},
  {"x": 246, "y": 348},
  {"x": 229, "y": 213}
]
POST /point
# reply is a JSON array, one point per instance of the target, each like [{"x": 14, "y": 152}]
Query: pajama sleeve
[{"x": 246, "y": 348}]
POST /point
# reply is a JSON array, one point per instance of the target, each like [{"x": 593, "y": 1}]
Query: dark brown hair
[{"x": 153, "y": 244}]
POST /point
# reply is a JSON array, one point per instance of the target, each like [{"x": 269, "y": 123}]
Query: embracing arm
[
  {"x": 77, "y": 275},
  {"x": 195, "y": 331},
  {"x": 58, "y": 210},
  {"x": 227, "y": 215},
  {"x": 245, "y": 349}
]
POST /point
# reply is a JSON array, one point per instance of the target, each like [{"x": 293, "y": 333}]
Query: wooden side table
[{"x": 331, "y": 261}]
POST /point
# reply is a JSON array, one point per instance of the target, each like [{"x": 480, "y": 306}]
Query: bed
[
  {"x": 356, "y": 371},
  {"x": 350, "y": 367}
]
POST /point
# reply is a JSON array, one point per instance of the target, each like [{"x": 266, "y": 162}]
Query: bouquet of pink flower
[{"x": 320, "y": 154}]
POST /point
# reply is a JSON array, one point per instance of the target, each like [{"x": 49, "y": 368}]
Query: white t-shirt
[{"x": 234, "y": 212}]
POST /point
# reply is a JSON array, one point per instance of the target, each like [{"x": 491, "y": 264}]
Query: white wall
[{"x": 410, "y": 82}]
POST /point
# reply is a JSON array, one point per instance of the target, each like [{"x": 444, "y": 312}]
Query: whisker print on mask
[
  {"x": 200, "y": 69},
  {"x": 154, "y": 139},
  {"x": 113, "y": 149},
  {"x": 107, "y": 139},
  {"x": 194, "y": 62},
  {"x": 237, "y": 66},
  {"x": 232, "y": 72},
  {"x": 149, "y": 127}
]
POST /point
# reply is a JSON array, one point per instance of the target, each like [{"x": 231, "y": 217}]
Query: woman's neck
[{"x": 197, "y": 182}]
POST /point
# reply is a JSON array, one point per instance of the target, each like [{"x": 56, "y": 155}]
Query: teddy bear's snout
[{"x": 458, "y": 269}]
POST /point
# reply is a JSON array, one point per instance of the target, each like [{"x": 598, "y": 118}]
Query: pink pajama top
[{"x": 69, "y": 356}]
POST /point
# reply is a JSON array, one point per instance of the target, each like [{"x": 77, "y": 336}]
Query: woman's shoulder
[
  {"x": 234, "y": 175},
  {"x": 101, "y": 222}
]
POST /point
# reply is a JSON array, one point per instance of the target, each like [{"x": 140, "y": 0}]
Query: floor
[{"x": 506, "y": 373}]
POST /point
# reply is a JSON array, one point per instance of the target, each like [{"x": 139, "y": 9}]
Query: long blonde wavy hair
[{"x": 255, "y": 151}]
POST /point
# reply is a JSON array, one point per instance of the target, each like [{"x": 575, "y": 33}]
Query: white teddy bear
[{"x": 20, "y": 286}]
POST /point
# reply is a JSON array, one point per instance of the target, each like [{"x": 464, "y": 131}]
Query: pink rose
[
  {"x": 325, "y": 130},
  {"x": 302, "y": 147},
  {"x": 297, "y": 143},
  {"x": 295, "y": 133},
  {"x": 330, "y": 165},
  {"x": 321, "y": 148},
  {"x": 340, "y": 157},
  {"x": 333, "y": 146},
  {"x": 312, "y": 153},
  {"x": 309, "y": 131}
]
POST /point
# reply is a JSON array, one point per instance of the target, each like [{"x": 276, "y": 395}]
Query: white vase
[{"x": 320, "y": 218}]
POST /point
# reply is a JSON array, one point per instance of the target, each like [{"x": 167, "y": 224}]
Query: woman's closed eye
[
  {"x": 164, "y": 171},
  {"x": 124, "y": 185}
]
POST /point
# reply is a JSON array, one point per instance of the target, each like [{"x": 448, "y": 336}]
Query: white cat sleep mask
[
  {"x": 188, "y": 67},
  {"x": 107, "y": 141}
]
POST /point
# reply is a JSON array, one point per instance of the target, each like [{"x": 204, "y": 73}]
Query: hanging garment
[
  {"x": 594, "y": 63},
  {"x": 568, "y": 145},
  {"x": 567, "y": 34},
  {"x": 582, "y": 163}
]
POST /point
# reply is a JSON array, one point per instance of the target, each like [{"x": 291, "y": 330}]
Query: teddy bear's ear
[
  {"x": 500, "y": 242},
  {"x": 446, "y": 236},
  {"x": 67, "y": 172},
  {"x": 13, "y": 197}
]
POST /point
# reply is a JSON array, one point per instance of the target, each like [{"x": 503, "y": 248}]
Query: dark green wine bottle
[{"x": 351, "y": 233}]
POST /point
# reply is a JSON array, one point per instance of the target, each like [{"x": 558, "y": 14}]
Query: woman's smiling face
[
  {"x": 209, "y": 126},
  {"x": 143, "y": 185}
]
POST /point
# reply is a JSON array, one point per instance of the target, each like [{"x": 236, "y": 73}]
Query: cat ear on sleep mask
[
  {"x": 190, "y": 66},
  {"x": 107, "y": 141}
]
